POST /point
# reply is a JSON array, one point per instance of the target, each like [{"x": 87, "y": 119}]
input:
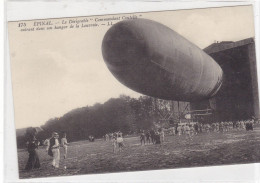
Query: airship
[{"x": 152, "y": 59}]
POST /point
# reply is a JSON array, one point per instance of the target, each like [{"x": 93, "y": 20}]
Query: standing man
[
  {"x": 53, "y": 149},
  {"x": 148, "y": 136},
  {"x": 142, "y": 137},
  {"x": 152, "y": 133}
]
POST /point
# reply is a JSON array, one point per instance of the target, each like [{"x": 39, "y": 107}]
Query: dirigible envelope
[{"x": 154, "y": 60}]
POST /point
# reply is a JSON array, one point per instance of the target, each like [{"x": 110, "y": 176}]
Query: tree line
[{"x": 125, "y": 114}]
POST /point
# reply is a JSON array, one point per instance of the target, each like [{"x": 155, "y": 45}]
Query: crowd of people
[
  {"x": 151, "y": 136},
  {"x": 219, "y": 127},
  {"x": 157, "y": 135}
]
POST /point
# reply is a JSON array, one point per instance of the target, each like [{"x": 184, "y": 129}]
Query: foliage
[{"x": 125, "y": 114}]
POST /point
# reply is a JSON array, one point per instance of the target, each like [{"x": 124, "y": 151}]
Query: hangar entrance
[{"x": 238, "y": 97}]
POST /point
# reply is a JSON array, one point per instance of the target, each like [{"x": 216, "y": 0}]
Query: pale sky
[{"x": 56, "y": 71}]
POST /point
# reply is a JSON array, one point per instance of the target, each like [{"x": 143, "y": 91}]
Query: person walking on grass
[
  {"x": 64, "y": 144},
  {"x": 53, "y": 149}
]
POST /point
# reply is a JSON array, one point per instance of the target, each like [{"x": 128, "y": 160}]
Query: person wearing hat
[{"x": 53, "y": 149}]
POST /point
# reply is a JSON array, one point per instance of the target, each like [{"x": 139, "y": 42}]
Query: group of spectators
[
  {"x": 52, "y": 144},
  {"x": 153, "y": 136},
  {"x": 194, "y": 128},
  {"x": 117, "y": 140},
  {"x": 157, "y": 135}
]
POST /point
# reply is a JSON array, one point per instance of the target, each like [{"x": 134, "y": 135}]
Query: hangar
[{"x": 238, "y": 97}]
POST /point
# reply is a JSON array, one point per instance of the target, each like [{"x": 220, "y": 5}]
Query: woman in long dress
[
  {"x": 64, "y": 144},
  {"x": 33, "y": 160}
]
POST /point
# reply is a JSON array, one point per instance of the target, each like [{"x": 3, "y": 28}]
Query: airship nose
[{"x": 122, "y": 46}]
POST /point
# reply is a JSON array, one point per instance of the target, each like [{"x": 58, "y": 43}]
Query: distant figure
[
  {"x": 152, "y": 136},
  {"x": 207, "y": 127},
  {"x": 142, "y": 138},
  {"x": 187, "y": 130},
  {"x": 217, "y": 127},
  {"x": 33, "y": 160},
  {"x": 91, "y": 138},
  {"x": 176, "y": 129},
  {"x": 192, "y": 130},
  {"x": 162, "y": 135},
  {"x": 183, "y": 129},
  {"x": 196, "y": 128},
  {"x": 200, "y": 128},
  {"x": 111, "y": 135},
  {"x": 243, "y": 125},
  {"x": 252, "y": 124},
  {"x": 120, "y": 141},
  {"x": 179, "y": 130},
  {"x": 148, "y": 136},
  {"x": 221, "y": 126},
  {"x": 114, "y": 141},
  {"x": 249, "y": 125},
  {"x": 107, "y": 137},
  {"x": 53, "y": 149},
  {"x": 157, "y": 138}
]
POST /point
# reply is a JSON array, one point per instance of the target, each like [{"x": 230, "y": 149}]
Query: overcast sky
[{"x": 56, "y": 71}]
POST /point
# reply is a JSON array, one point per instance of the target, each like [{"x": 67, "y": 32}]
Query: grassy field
[{"x": 85, "y": 157}]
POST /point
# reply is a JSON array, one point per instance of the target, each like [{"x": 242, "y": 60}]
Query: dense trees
[{"x": 126, "y": 114}]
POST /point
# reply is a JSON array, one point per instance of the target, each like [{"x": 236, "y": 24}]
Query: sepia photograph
[{"x": 135, "y": 92}]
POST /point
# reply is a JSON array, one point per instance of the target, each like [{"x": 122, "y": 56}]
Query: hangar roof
[{"x": 224, "y": 45}]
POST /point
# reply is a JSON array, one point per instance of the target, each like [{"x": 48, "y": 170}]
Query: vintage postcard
[{"x": 132, "y": 92}]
